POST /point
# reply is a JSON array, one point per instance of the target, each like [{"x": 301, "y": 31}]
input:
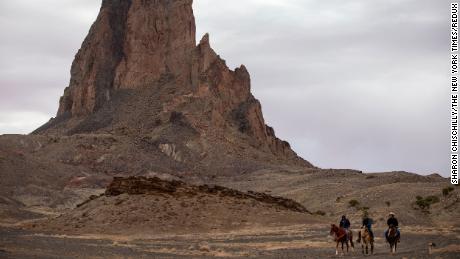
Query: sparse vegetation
[
  {"x": 353, "y": 203},
  {"x": 320, "y": 213},
  {"x": 370, "y": 177},
  {"x": 425, "y": 203},
  {"x": 432, "y": 199},
  {"x": 388, "y": 203},
  {"x": 446, "y": 191}
]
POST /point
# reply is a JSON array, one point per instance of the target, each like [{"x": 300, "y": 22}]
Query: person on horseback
[
  {"x": 345, "y": 224},
  {"x": 367, "y": 223},
  {"x": 392, "y": 221}
]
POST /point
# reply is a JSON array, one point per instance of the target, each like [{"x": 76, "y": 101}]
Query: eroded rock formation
[{"x": 139, "y": 72}]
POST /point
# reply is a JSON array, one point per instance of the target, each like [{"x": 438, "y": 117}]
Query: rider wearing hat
[{"x": 392, "y": 221}]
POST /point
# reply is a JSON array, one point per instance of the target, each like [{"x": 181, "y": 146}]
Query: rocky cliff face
[
  {"x": 132, "y": 44},
  {"x": 140, "y": 72}
]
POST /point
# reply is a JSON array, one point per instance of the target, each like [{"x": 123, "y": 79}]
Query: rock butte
[{"x": 140, "y": 70}]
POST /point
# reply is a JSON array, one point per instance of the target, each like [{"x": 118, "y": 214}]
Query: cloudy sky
[{"x": 350, "y": 84}]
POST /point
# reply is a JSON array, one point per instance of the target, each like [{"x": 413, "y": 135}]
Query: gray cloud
[{"x": 350, "y": 84}]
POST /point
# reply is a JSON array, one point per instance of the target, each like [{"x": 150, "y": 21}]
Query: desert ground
[
  {"x": 296, "y": 241},
  {"x": 162, "y": 219}
]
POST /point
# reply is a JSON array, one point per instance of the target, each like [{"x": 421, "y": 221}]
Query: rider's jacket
[
  {"x": 367, "y": 222},
  {"x": 392, "y": 221},
  {"x": 345, "y": 223}
]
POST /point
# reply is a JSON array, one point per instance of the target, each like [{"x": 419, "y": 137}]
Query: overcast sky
[{"x": 350, "y": 84}]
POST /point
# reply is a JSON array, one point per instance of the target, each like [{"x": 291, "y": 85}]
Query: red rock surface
[{"x": 146, "y": 50}]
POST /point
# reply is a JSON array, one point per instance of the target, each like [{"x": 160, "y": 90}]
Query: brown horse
[
  {"x": 393, "y": 238},
  {"x": 340, "y": 236},
  {"x": 366, "y": 238}
]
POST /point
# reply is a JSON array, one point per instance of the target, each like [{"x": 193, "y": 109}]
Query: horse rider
[
  {"x": 345, "y": 224},
  {"x": 392, "y": 221},
  {"x": 367, "y": 222}
]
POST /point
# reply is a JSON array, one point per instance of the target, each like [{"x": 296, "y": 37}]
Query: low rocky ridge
[
  {"x": 139, "y": 205},
  {"x": 155, "y": 186}
]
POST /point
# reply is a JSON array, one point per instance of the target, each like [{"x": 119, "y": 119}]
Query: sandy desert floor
[{"x": 296, "y": 241}]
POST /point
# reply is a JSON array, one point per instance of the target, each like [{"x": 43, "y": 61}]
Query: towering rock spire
[
  {"x": 140, "y": 72},
  {"x": 132, "y": 44}
]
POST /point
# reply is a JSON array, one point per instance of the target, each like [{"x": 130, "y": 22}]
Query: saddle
[{"x": 390, "y": 228}]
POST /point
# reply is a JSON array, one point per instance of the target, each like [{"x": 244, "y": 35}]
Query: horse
[
  {"x": 367, "y": 240},
  {"x": 340, "y": 236},
  {"x": 350, "y": 239},
  {"x": 393, "y": 238}
]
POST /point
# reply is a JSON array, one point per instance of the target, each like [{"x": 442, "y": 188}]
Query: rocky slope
[{"x": 333, "y": 193}]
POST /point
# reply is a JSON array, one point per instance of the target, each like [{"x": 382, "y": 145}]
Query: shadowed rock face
[
  {"x": 140, "y": 66},
  {"x": 132, "y": 44},
  {"x": 156, "y": 186}
]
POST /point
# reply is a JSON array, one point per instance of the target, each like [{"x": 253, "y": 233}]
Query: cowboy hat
[{"x": 391, "y": 213}]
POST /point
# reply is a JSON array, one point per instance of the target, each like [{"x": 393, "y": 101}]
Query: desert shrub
[
  {"x": 432, "y": 199},
  {"x": 388, "y": 203},
  {"x": 353, "y": 203},
  {"x": 447, "y": 190},
  {"x": 365, "y": 208},
  {"x": 425, "y": 203},
  {"x": 370, "y": 177},
  {"x": 320, "y": 213}
]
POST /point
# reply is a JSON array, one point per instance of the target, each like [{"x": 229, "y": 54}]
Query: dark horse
[
  {"x": 340, "y": 236},
  {"x": 393, "y": 238}
]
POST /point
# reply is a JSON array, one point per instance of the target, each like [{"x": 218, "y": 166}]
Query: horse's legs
[
  {"x": 362, "y": 247},
  {"x": 351, "y": 241},
  {"x": 337, "y": 248},
  {"x": 372, "y": 247},
  {"x": 367, "y": 249}
]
